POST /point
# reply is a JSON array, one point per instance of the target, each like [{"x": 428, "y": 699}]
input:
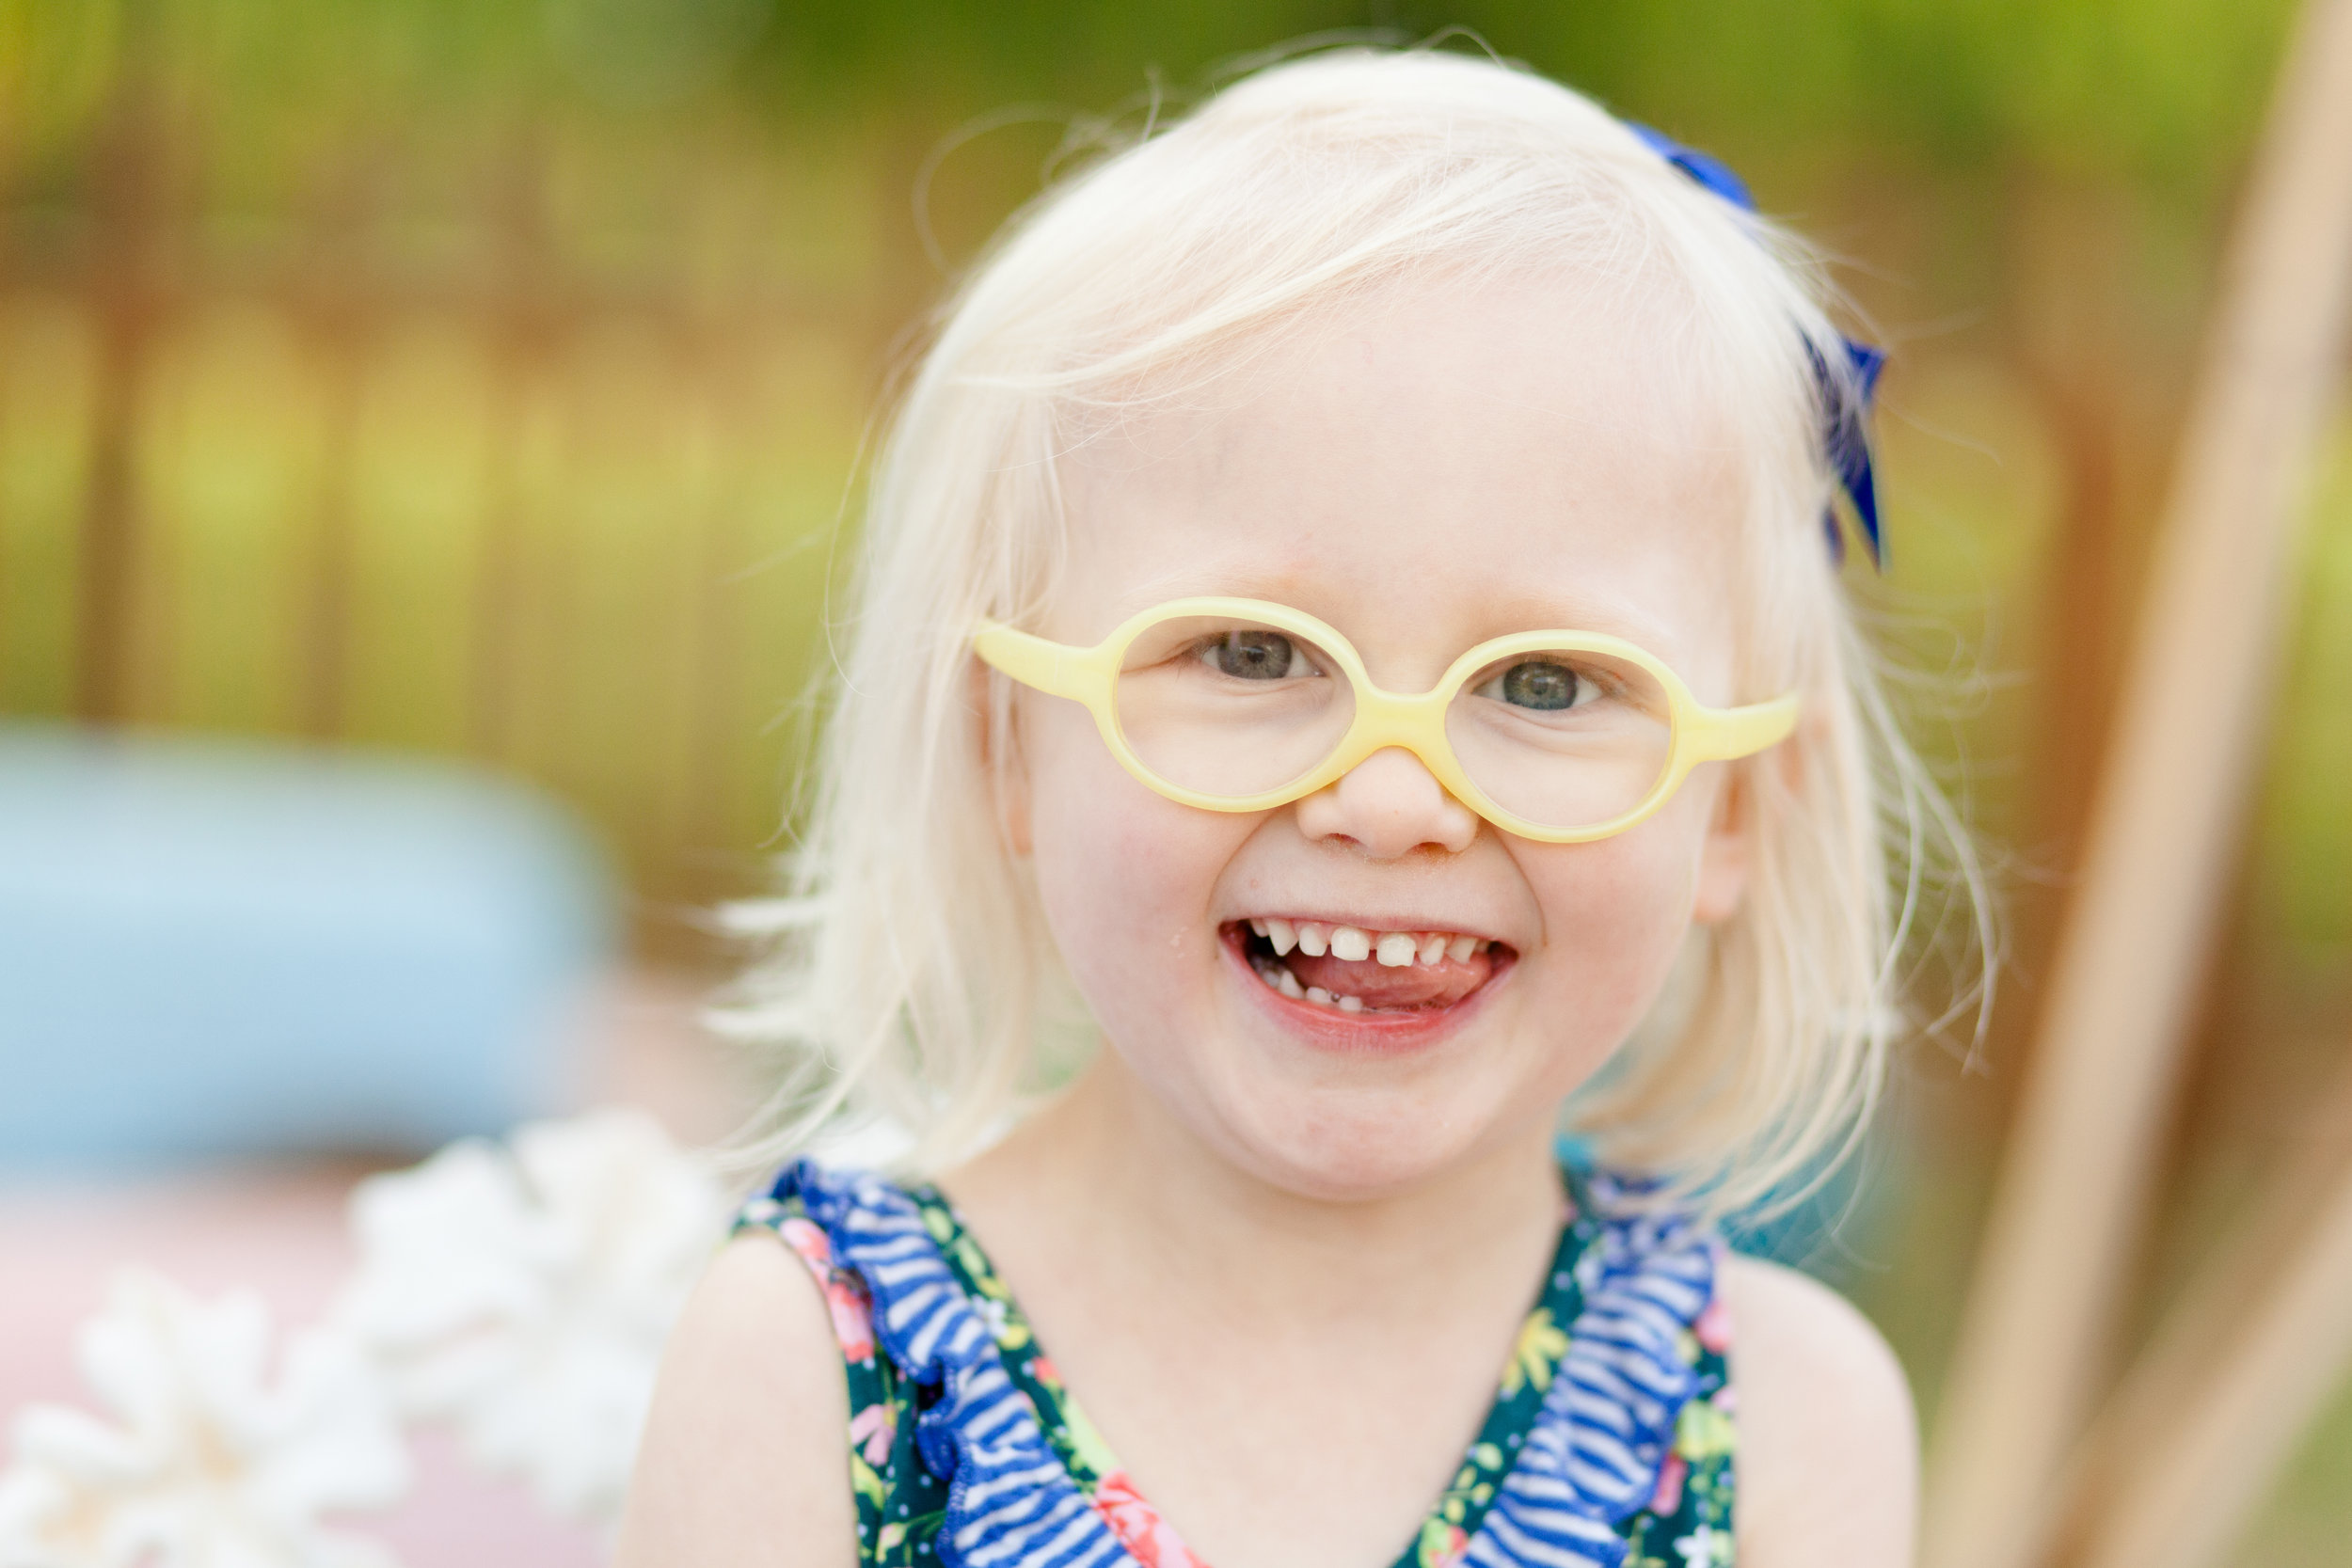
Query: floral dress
[{"x": 1608, "y": 1442}]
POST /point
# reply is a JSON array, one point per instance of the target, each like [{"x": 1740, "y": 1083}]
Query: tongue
[{"x": 1415, "y": 984}]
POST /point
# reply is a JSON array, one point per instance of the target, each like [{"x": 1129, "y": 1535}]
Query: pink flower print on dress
[
  {"x": 845, "y": 1296},
  {"x": 810, "y": 1241},
  {"x": 852, "y": 1316},
  {"x": 1668, "y": 1496},
  {"x": 1714, "y": 1326},
  {"x": 871, "y": 1430},
  {"x": 1138, "y": 1525}
]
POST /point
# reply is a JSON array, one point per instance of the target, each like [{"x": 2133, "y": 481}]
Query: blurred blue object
[{"x": 212, "y": 948}]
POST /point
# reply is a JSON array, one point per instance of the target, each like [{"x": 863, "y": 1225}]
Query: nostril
[{"x": 1389, "y": 805}]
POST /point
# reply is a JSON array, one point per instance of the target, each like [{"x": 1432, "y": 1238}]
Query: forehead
[{"x": 1438, "y": 464}]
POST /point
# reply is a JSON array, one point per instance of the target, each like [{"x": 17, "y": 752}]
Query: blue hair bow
[{"x": 1847, "y": 400}]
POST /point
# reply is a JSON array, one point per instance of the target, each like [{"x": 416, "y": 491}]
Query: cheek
[
  {"x": 1125, "y": 876},
  {"x": 1615, "y": 914}
]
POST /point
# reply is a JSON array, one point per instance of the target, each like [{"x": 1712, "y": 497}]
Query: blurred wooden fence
[{"x": 471, "y": 474}]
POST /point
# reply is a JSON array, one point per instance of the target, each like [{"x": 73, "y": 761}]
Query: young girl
[{"x": 1346, "y": 612}]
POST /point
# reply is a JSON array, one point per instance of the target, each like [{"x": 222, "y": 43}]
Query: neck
[{"x": 1110, "y": 1163}]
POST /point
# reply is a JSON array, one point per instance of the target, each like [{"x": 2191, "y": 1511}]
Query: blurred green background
[{"x": 486, "y": 378}]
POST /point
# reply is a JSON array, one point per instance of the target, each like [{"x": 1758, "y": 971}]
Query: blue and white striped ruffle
[
  {"x": 1592, "y": 1459},
  {"x": 1010, "y": 1503},
  {"x": 1608, "y": 1421}
]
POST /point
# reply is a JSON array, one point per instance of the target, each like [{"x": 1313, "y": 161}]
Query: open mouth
[{"x": 1352, "y": 970}]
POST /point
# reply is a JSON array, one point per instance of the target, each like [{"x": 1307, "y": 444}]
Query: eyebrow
[
  {"x": 1614, "y": 617},
  {"x": 1498, "y": 618}
]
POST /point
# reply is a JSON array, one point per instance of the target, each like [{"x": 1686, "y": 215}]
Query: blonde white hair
[{"x": 909, "y": 974}]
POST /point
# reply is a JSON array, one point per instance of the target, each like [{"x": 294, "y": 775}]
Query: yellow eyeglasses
[{"x": 1240, "y": 704}]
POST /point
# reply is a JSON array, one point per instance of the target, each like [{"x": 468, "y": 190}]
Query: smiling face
[{"x": 1427, "y": 473}]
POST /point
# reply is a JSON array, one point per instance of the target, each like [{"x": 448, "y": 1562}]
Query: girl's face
[{"x": 1424, "y": 473}]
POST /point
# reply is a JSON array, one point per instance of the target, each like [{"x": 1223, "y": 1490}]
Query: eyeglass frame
[{"x": 1414, "y": 722}]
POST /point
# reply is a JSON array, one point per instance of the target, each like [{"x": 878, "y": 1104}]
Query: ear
[
  {"x": 1001, "y": 765},
  {"x": 1726, "y": 851}
]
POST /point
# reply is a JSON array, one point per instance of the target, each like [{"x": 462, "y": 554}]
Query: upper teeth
[{"x": 1394, "y": 949}]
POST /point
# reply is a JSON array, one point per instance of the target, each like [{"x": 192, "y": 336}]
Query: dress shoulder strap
[
  {"x": 1631, "y": 1458},
  {"x": 959, "y": 1434}
]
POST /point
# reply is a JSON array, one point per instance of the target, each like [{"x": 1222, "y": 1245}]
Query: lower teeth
[{"x": 1279, "y": 978}]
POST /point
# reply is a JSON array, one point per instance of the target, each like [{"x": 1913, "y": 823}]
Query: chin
[{"x": 1342, "y": 1145}]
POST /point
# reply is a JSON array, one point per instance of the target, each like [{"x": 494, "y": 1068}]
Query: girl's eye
[
  {"x": 1542, "y": 686},
  {"x": 1251, "y": 654}
]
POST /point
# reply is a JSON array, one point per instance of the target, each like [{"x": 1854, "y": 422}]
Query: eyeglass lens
[
  {"x": 1225, "y": 707},
  {"x": 1562, "y": 738}
]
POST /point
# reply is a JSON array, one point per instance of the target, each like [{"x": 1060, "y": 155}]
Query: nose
[{"x": 1389, "y": 805}]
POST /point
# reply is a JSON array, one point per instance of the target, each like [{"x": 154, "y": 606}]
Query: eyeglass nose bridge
[{"x": 1409, "y": 722}]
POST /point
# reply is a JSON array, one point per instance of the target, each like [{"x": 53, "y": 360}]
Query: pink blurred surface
[{"x": 279, "y": 1231}]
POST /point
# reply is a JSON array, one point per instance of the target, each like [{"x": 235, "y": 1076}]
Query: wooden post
[
  {"x": 2200, "y": 1473},
  {"x": 2233, "y": 1376},
  {"x": 334, "y": 289},
  {"x": 2067, "y": 1212},
  {"x": 125, "y": 295},
  {"x": 520, "y": 320},
  {"x": 2203, "y": 1470}
]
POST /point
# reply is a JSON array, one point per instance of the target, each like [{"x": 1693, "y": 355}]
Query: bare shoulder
[
  {"x": 745, "y": 1458},
  {"x": 1829, "y": 1459}
]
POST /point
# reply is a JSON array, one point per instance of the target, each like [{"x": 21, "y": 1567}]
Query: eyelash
[{"x": 1203, "y": 649}]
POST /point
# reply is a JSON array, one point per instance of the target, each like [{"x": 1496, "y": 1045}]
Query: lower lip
[{"x": 1364, "y": 1033}]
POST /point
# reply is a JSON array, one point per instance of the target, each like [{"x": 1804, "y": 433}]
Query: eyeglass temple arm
[
  {"x": 1739, "y": 731},
  {"x": 1054, "y": 668}
]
